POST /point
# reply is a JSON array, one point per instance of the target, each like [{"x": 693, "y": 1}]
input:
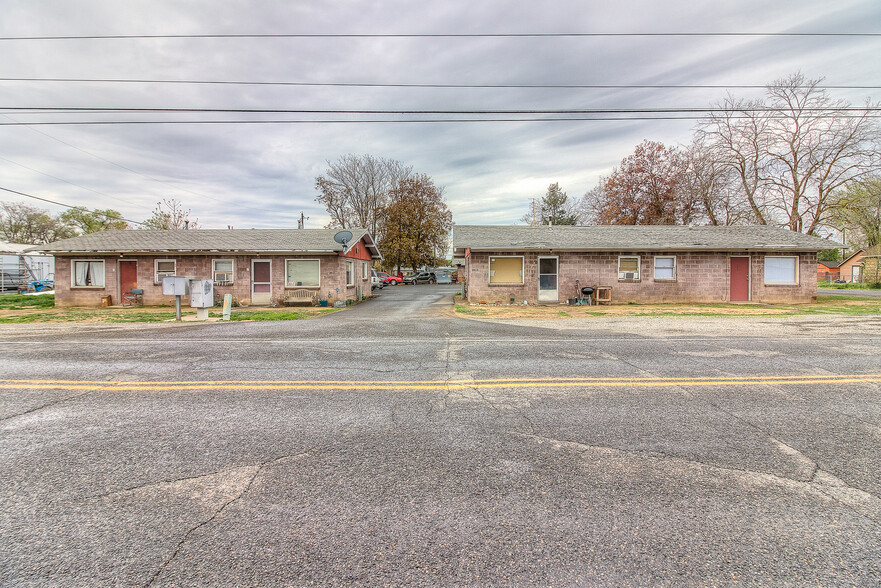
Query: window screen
[
  {"x": 222, "y": 271},
  {"x": 665, "y": 268},
  {"x": 302, "y": 273},
  {"x": 164, "y": 267},
  {"x": 781, "y": 270}
]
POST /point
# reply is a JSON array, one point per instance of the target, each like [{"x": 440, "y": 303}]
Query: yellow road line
[
  {"x": 819, "y": 377},
  {"x": 439, "y": 385}
]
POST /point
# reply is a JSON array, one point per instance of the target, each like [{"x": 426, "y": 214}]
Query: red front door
[
  {"x": 739, "y": 279},
  {"x": 128, "y": 276}
]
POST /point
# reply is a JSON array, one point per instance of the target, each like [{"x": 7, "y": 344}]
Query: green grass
[
  {"x": 20, "y": 301},
  {"x": 464, "y": 309},
  {"x": 849, "y": 285},
  {"x": 270, "y": 315}
]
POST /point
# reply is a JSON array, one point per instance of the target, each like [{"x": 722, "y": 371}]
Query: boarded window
[
  {"x": 665, "y": 268},
  {"x": 302, "y": 273},
  {"x": 781, "y": 270},
  {"x": 505, "y": 270}
]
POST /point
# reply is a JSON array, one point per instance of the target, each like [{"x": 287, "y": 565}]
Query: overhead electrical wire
[
  {"x": 371, "y": 121},
  {"x": 63, "y": 204},
  {"x": 431, "y": 85},
  {"x": 480, "y": 111},
  {"x": 431, "y": 35}
]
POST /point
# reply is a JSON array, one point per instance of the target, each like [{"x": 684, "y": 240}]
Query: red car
[{"x": 389, "y": 280}]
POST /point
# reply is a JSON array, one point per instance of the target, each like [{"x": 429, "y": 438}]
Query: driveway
[{"x": 396, "y": 443}]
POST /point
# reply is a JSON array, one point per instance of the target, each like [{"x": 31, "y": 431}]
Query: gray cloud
[{"x": 263, "y": 175}]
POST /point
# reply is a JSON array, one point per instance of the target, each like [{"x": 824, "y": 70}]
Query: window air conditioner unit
[
  {"x": 221, "y": 277},
  {"x": 626, "y": 275}
]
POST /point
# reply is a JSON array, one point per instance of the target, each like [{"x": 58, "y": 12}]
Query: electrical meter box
[
  {"x": 201, "y": 293},
  {"x": 175, "y": 285}
]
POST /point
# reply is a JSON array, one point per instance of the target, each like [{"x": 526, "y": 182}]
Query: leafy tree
[
  {"x": 20, "y": 223},
  {"x": 857, "y": 210},
  {"x": 416, "y": 223},
  {"x": 170, "y": 215},
  {"x": 829, "y": 255},
  {"x": 355, "y": 189},
  {"x": 646, "y": 189},
  {"x": 91, "y": 221},
  {"x": 555, "y": 208}
]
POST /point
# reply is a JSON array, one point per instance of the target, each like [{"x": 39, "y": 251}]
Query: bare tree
[
  {"x": 736, "y": 137},
  {"x": 170, "y": 215},
  {"x": 354, "y": 189},
  {"x": 793, "y": 150},
  {"x": 714, "y": 187}
]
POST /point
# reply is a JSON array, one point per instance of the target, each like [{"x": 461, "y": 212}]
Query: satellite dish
[{"x": 343, "y": 237}]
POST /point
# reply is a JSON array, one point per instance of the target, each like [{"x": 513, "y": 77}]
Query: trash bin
[{"x": 106, "y": 300}]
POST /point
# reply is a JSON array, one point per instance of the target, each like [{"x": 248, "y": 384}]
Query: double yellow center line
[{"x": 438, "y": 384}]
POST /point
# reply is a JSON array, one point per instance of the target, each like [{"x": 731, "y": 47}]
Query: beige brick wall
[
  {"x": 700, "y": 277},
  {"x": 333, "y": 278}
]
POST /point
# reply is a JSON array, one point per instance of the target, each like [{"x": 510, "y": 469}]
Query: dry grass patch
[{"x": 825, "y": 305}]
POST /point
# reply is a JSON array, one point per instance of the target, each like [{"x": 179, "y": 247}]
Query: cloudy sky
[{"x": 262, "y": 174}]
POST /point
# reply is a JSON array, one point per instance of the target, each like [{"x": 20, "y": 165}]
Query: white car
[{"x": 376, "y": 281}]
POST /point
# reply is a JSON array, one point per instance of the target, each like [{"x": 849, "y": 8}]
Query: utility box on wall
[
  {"x": 175, "y": 286},
  {"x": 201, "y": 293}
]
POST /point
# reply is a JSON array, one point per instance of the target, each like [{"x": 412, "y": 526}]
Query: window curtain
[
  {"x": 81, "y": 270},
  {"x": 96, "y": 273}
]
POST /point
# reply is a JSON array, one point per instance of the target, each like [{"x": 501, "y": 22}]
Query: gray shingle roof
[
  {"x": 633, "y": 238},
  {"x": 204, "y": 240}
]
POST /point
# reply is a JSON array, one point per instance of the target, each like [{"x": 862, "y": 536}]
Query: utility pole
[
  {"x": 301, "y": 224},
  {"x": 533, "y": 222}
]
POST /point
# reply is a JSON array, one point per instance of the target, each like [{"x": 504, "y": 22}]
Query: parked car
[
  {"x": 389, "y": 280},
  {"x": 421, "y": 278},
  {"x": 376, "y": 281}
]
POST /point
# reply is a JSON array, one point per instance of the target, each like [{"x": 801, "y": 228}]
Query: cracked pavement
[{"x": 759, "y": 481}]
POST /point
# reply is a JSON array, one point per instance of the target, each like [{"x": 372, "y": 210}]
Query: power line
[
  {"x": 63, "y": 204},
  {"x": 433, "y": 35},
  {"x": 119, "y": 165},
  {"x": 377, "y": 121},
  {"x": 704, "y": 110},
  {"x": 428, "y": 85}
]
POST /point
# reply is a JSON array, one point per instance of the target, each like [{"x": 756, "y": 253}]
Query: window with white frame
[
  {"x": 364, "y": 273},
  {"x": 162, "y": 268},
  {"x": 302, "y": 273},
  {"x": 350, "y": 273},
  {"x": 628, "y": 267},
  {"x": 665, "y": 267},
  {"x": 222, "y": 271},
  {"x": 505, "y": 270},
  {"x": 781, "y": 270},
  {"x": 87, "y": 273}
]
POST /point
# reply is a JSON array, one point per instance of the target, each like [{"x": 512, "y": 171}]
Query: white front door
[
  {"x": 261, "y": 282},
  {"x": 547, "y": 279}
]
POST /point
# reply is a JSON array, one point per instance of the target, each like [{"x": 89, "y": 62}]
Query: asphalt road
[{"x": 396, "y": 443}]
